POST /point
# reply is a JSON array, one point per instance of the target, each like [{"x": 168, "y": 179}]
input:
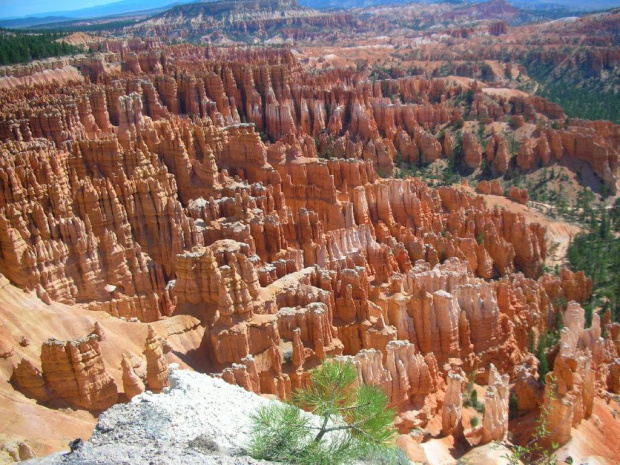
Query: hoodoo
[{"x": 204, "y": 205}]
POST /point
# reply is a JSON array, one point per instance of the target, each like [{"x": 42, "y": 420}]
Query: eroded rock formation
[
  {"x": 156, "y": 364},
  {"x": 570, "y": 387},
  {"x": 71, "y": 371},
  {"x": 451, "y": 412},
  {"x": 495, "y": 419},
  {"x": 233, "y": 186},
  {"x": 132, "y": 384}
]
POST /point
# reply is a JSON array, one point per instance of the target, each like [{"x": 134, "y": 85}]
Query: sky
[{"x": 9, "y": 8}]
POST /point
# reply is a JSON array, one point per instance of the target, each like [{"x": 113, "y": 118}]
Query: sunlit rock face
[{"x": 242, "y": 206}]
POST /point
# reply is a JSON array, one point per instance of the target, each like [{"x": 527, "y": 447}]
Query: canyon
[{"x": 248, "y": 212}]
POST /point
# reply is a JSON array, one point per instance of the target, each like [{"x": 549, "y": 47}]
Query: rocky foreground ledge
[{"x": 198, "y": 420}]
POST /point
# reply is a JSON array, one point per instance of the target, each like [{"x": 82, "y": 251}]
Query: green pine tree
[{"x": 355, "y": 422}]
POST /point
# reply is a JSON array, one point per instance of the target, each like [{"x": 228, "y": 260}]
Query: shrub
[
  {"x": 278, "y": 432},
  {"x": 537, "y": 450},
  {"x": 475, "y": 403},
  {"x": 513, "y": 404},
  {"x": 541, "y": 355},
  {"x": 354, "y": 422}
]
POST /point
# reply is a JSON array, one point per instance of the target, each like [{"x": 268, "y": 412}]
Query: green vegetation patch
[
  {"x": 19, "y": 47},
  {"x": 597, "y": 254},
  {"x": 354, "y": 423}
]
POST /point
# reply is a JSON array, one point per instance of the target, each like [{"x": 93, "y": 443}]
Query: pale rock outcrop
[
  {"x": 409, "y": 379},
  {"x": 451, "y": 411},
  {"x": 570, "y": 387},
  {"x": 496, "y": 400}
]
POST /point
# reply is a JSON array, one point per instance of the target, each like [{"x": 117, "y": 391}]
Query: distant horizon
[{"x": 10, "y": 9}]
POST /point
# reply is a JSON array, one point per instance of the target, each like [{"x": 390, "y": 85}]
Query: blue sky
[{"x": 10, "y": 8}]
